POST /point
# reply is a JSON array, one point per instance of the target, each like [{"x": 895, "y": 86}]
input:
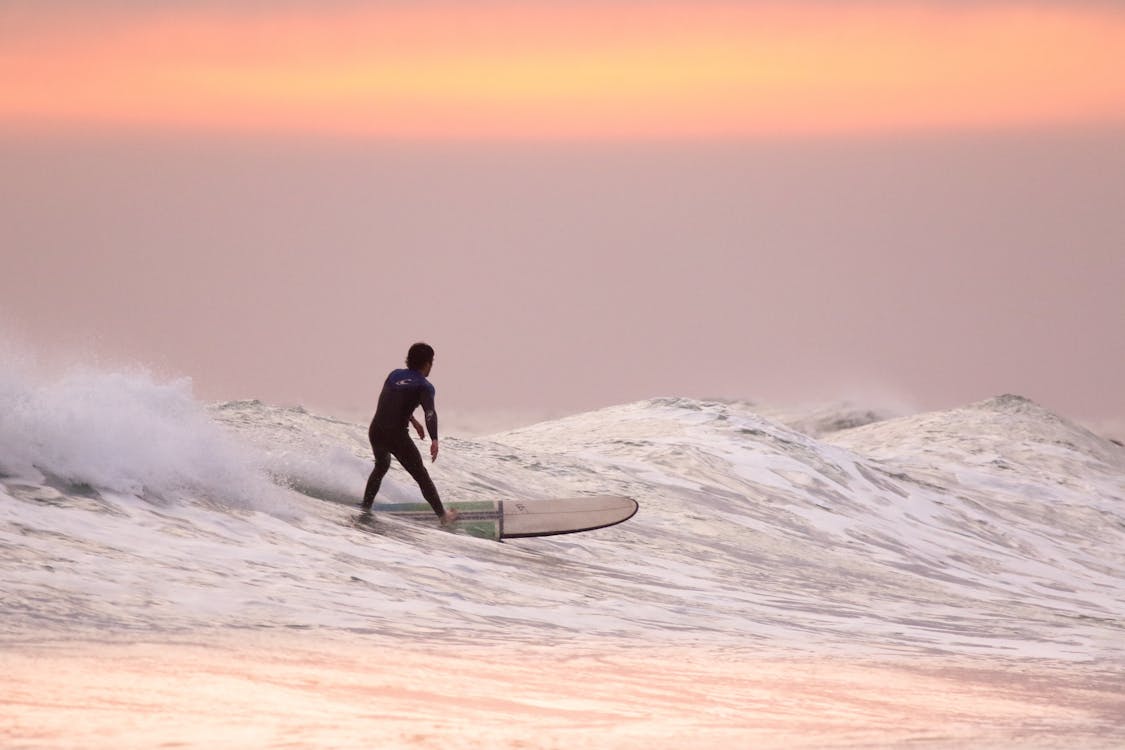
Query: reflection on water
[{"x": 308, "y": 691}]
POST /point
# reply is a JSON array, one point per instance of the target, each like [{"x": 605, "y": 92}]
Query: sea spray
[{"x": 123, "y": 432}]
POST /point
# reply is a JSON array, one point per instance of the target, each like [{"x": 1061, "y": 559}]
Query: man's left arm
[{"x": 431, "y": 420}]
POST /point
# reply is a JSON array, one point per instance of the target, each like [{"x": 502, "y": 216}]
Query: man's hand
[
  {"x": 418, "y": 426},
  {"x": 433, "y": 451}
]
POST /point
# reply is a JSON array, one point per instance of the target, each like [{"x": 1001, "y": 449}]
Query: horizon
[{"x": 50, "y": 382}]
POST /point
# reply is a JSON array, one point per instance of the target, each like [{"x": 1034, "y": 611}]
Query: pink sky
[
  {"x": 782, "y": 201},
  {"x": 593, "y": 70}
]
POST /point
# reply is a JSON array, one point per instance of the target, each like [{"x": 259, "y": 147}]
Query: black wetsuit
[{"x": 403, "y": 392}]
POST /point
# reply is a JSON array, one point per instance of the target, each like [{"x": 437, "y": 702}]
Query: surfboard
[{"x": 515, "y": 519}]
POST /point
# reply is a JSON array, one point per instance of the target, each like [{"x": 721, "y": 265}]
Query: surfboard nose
[{"x": 567, "y": 515}]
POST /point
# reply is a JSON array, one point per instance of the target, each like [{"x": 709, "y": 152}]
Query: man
[{"x": 403, "y": 392}]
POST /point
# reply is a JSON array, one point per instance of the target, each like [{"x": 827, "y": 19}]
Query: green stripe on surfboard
[{"x": 481, "y": 518}]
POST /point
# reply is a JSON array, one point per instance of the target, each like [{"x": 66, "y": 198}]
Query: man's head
[{"x": 420, "y": 358}]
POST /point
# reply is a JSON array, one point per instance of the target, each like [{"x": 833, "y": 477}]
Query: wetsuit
[{"x": 403, "y": 392}]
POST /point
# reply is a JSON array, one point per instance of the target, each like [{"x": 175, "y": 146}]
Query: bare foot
[{"x": 450, "y": 516}]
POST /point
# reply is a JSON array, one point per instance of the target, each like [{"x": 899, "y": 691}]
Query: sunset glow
[
  {"x": 317, "y": 693},
  {"x": 588, "y": 71}
]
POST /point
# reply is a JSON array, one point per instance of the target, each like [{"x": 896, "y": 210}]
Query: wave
[
  {"x": 125, "y": 433},
  {"x": 996, "y": 528}
]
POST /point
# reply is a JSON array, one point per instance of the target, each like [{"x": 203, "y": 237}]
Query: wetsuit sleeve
[{"x": 430, "y": 411}]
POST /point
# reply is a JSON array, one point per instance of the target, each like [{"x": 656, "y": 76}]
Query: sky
[{"x": 577, "y": 204}]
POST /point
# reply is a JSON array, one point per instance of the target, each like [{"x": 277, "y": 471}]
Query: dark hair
[{"x": 419, "y": 356}]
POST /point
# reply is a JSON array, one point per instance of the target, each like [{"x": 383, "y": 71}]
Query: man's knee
[{"x": 417, "y": 471}]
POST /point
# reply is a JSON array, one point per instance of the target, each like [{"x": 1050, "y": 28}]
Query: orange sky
[{"x": 494, "y": 70}]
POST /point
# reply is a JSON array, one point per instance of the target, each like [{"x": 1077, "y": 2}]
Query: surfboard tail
[{"x": 516, "y": 519}]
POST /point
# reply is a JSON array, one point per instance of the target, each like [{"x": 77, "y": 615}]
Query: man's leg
[
  {"x": 407, "y": 454},
  {"x": 382, "y": 463}
]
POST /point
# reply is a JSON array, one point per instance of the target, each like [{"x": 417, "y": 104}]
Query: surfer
[{"x": 403, "y": 392}]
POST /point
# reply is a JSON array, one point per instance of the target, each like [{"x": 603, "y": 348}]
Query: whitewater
[{"x": 173, "y": 573}]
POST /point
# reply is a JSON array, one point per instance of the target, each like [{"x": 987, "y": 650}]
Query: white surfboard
[{"x": 513, "y": 519}]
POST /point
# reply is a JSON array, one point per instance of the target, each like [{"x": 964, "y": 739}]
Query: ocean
[{"x": 836, "y": 576}]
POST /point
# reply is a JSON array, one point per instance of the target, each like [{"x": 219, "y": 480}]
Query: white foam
[
  {"x": 122, "y": 432},
  {"x": 899, "y": 536}
]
